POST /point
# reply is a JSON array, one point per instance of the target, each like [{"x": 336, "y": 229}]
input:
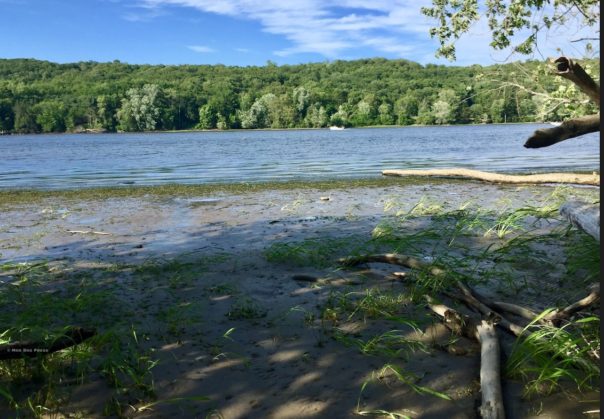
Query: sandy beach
[{"x": 238, "y": 298}]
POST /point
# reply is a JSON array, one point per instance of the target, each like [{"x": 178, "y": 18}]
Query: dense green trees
[{"x": 39, "y": 96}]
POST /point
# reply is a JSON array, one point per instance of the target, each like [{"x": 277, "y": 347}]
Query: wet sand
[{"x": 278, "y": 362}]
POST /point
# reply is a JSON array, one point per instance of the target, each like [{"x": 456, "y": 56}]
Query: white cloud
[
  {"x": 336, "y": 28},
  {"x": 200, "y": 48},
  {"x": 323, "y": 26}
]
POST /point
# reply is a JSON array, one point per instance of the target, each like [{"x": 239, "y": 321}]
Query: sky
[{"x": 237, "y": 32}]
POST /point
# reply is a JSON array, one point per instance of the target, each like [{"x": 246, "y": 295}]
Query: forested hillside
[{"x": 40, "y": 96}]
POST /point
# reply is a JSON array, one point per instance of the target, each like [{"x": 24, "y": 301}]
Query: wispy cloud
[
  {"x": 200, "y": 48},
  {"x": 327, "y": 27},
  {"x": 337, "y": 28},
  {"x": 243, "y": 50}
]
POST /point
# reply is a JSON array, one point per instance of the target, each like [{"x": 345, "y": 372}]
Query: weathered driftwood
[
  {"x": 574, "y": 178},
  {"x": 411, "y": 262},
  {"x": 568, "y": 69},
  {"x": 460, "y": 324},
  {"x": 490, "y": 376},
  {"x": 471, "y": 301},
  {"x": 100, "y": 233},
  {"x": 593, "y": 297},
  {"x": 583, "y": 215},
  {"x": 570, "y": 128},
  {"x": 519, "y": 311},
  {"x": 28, "y": 349},
  {"x": 393, "y": 259}
]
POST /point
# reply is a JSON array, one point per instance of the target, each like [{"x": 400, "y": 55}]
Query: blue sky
[{"x": 232, "y": 32}]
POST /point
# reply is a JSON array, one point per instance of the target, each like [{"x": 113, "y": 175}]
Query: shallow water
[{"x": 86, "y": 160}]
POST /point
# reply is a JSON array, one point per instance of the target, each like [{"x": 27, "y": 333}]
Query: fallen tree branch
[
  {"x": 519, "y": 311},
  {"x": 28, "y": 349},
  {"x": 593, "y": 297},
  {"x": 460, "y": 324},
  {"x": 574, "y": 178},
  {"x": 568, "y": 69},
  {"x": 390, "y": 258},
  {"x": 490, "y": 376},
  {"x": 470, "y": 300},
  {"x": 584, "y": 216},
  {"x": 570, "y": 128},
  {"x": 102, "y": 233}
]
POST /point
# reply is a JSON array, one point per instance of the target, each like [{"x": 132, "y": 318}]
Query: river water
[{"x": 65, "y": 161}]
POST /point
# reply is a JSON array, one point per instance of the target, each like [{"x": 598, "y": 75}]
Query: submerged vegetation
[{"x": 40, "y": 96}]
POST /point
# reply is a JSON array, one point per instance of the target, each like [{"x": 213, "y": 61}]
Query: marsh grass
[
  {"x": 546, "y": 356},
  {"x": 246, "y": 308},
  {"x": 39, "y": 300}
]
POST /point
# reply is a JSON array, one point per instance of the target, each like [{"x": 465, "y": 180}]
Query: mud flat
[{"x": 231, "y": 304}]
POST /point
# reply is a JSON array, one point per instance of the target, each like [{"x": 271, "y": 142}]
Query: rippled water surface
[{"x": 74, "y": 160}]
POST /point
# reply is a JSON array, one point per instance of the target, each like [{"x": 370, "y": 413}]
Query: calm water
[{"x": 71, "y": 160}]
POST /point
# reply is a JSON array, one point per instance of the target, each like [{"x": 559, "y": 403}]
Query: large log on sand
[
  {"x": 573, "y": 178},
  {"x": 583, "y": 215}
]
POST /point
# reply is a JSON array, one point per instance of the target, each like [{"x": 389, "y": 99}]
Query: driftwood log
[
  {"x": 556, "y": 316},
  {"x": 573, "y": 178},
  {"x": 29, "y": 349},
  {"x": 583, "y": 215},
  {"x": 568, "y": 69},
  {"x": 483, "y": 331},
  {"x": 490, "y": 370},
  {"x": 490, "y": 374}
]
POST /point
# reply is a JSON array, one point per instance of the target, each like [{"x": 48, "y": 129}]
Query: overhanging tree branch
[
  {"x": 568, "y": 69},
  {"x": 569, "y": 129}
]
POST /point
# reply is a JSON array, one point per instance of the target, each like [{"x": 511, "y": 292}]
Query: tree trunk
[{"x": 568, "y": 69}]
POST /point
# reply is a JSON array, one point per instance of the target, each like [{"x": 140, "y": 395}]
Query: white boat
[
  {"x": 334, "y": 128},
  {"x": 556, "y": 124}
]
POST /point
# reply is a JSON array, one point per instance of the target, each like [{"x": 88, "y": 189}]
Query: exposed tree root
[{"x": 573, "y": 178}]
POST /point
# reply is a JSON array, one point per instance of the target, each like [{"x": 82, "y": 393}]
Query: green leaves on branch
[{"x": 507, "y": 19}]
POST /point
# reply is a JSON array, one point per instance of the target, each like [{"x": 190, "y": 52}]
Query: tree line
[{"x": 40, "y": 96}]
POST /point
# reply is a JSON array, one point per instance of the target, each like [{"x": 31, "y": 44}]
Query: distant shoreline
[{"x": 262, "y": 129}]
